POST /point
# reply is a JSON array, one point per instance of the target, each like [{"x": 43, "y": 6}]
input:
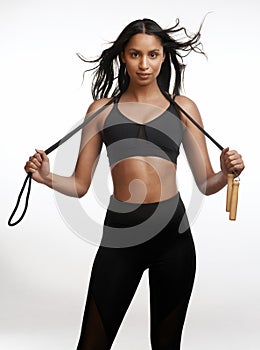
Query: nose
[{"x": 143, "y": 64}]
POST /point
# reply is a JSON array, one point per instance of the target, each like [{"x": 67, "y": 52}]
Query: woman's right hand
[{"x": 39, "y": 166}]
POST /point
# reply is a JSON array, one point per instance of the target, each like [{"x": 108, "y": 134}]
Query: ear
[{"x": 122, "y": 56}]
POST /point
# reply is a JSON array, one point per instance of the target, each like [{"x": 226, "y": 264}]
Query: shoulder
[
  {"x": 188, "y": 106},
  {"x": 186, "y": 103},
  {"x": 97, "y": 121},
  {"x": 97, "y": 104}
]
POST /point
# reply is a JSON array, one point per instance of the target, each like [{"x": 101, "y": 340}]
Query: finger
[
  {"x": 31, "y": 165},
  {"x": 38, "y": 157},
  {"x": 231, "y": 164},
  {"x": 236, "y": 160},
  {"x": 234, "y": 157},
  {"x": 29, "y": 168},
  {"x": 35, "y": 161},
  {"x": 237, "y": 166},
  {"x": 233, "y": 153},
  {"x": 43, "y": 154}
]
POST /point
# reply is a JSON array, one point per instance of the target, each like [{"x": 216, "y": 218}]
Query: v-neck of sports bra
[{"x": 147, "y": 123}]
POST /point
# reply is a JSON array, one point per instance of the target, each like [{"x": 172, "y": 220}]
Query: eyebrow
[{"x": 133, "y": 49}]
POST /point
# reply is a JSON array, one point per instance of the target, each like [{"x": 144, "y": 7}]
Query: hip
[{"x": 127, "y": 224}]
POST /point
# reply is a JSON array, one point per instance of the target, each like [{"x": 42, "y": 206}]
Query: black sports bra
[{"x": 125, "y": 138}]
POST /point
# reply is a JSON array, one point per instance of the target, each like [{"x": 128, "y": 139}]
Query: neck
[{"x": 142, "y": 93}]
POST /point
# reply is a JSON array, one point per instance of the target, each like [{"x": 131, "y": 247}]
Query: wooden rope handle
[
  {"x": 232, "y": 196},
  {"x": 229, "y": 191},
  {"x": 234, "y": 200}
]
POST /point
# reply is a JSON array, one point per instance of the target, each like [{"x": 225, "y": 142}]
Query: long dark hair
[{"x": 110, "y": 72}]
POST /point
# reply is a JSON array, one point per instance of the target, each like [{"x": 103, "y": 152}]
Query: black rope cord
[
  {"x": 198, "y": 126},
  {"x": 70, "y": 134},
  {"x": 202, "y": 130},
  {"x": 47, "y": 151}
]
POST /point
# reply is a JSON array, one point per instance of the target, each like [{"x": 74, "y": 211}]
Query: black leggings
[{"x": 164, "y": 245}]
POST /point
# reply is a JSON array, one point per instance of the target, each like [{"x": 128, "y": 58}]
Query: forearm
[
  {"x": 66, "y": 185},
  {"x": 215, "y": 183}
]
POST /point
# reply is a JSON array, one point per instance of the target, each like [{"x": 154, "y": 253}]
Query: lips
[{"x": 143, "y": 75}]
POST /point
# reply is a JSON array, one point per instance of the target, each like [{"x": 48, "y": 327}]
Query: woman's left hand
[{"x": 231, "y": 161}]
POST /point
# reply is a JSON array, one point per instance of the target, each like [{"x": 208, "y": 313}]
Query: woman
[{"x": 142, "y": 130}]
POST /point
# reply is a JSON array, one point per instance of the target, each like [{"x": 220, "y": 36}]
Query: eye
[
  {"x": 153, "y": 54},
  {"x": 134, "y": 54}
]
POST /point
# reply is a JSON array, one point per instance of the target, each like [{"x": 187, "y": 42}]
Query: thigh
[
  {"x": 171, "y": 278},
  {"x": 114, "y": 278},
  {"x": 115, "y": 274}
]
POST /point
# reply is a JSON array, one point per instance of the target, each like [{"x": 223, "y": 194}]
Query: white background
[{"x": 44, "y": 266}]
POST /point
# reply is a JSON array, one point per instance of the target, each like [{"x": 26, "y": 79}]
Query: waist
[
  {"x": 128, "y": 224},
  {"x": 129, "y": 214},
  {"x": 144, "y": 179},
  {"x": 115, "y": 203}
]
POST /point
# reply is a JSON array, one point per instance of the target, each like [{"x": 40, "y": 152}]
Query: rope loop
[{"x": 29, "y": 180}]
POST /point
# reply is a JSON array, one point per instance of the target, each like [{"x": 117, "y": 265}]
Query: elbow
[
  {"x": 202, "y": 188},
  {"x": 81, "y": 191},
  {"x": 80, "y": 187},
  {"x": 208, "y": 193},
  {"x": 81, "y": 194},
  {"x": 205, "y": 189},
  {"x": 208, "y": 188},
  {"x": 210, "y": 184}
]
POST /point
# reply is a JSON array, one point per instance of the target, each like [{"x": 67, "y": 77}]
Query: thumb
[{"x": 225, "y": 150}]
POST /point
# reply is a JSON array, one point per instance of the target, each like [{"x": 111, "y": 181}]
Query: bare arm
[
  {"x": 194, "y": 143},
  {"x": 79, "y": 182}
]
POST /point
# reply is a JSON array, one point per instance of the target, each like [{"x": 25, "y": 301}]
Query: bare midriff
[{"x": 144, "y": 179}]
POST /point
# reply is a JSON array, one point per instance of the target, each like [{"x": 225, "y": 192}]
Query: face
[{"x": 143, "y": 56}]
